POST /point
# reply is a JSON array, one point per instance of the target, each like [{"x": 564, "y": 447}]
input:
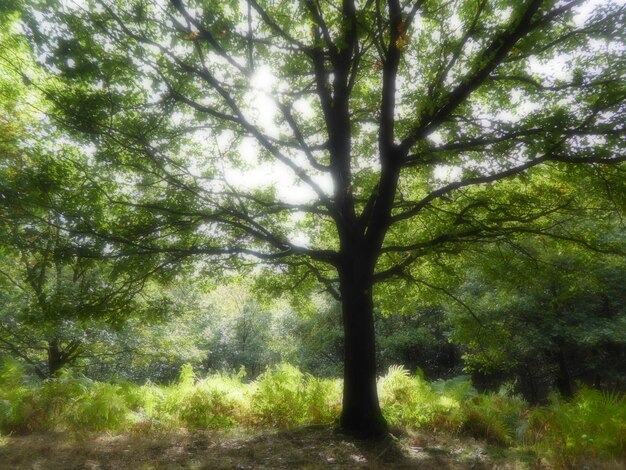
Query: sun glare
[{"x": 263, "y": 79}]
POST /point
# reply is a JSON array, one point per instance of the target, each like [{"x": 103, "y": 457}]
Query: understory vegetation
[{"x": 592, "y": 424}]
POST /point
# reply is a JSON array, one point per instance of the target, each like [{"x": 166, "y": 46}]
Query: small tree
[
  {"x": 58, "y": 302},
  {"x": 57, "y": 307},
  {"x": 365, "y": 105}
]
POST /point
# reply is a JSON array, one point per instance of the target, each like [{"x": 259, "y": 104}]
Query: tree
[
  {"x": 548, "y": 318},
  {"x": 56, "y": 307},
  {"x": 366, "y": 105},
  {"x": 240, "y": 331},
  {"x": 418, "y": 340}
]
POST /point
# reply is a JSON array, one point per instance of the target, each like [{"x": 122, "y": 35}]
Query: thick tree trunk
[{"x": 361, "y": 415}]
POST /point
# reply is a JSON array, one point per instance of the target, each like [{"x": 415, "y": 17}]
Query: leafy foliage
[
  {"x": 549, "y": 318},
  {"x": 590, "y": 425}
]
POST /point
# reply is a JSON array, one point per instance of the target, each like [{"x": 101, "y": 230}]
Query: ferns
[
  {"x": 592, "y": 425},
  {"x": 408, "y": 401},
  {"x": 12, "y": 393},
  {"x": 216, "y": 402},
  {"x": 284, "y": 396},
  {"x": 494, "y": 417},
  {"x": 101, "y": 407},
  {"x": 451, "y": 406}
]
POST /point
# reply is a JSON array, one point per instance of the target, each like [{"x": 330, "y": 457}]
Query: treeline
[{"x": 548, "y": 321}]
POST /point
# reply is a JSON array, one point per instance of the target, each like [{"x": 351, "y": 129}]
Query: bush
[
  {"x": 592, "y": 424},
  {"x": 284, "y": 396}
]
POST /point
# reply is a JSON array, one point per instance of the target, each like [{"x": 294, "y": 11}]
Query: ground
[{"x": 305, "y": 448}]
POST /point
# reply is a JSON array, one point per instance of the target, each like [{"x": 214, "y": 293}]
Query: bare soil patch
[{"x": 303, "y": 448}]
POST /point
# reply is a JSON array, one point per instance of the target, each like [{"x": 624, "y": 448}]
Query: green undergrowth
[{"x": 591, "y": 425}]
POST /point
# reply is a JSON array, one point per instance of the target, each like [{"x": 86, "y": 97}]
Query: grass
[{"x": 589, "y": 428}]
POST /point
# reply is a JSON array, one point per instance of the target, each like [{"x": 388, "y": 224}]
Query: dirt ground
[{"x": 305, "y": 448}]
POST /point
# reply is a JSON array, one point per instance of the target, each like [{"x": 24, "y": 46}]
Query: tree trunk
[
  {"x": 563, "y": 380},
  {"x": 361, "y": 415},
  {"x": 55, "y": 358}
]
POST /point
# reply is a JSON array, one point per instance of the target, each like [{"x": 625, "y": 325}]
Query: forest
[{"x": 242, "y": 234}]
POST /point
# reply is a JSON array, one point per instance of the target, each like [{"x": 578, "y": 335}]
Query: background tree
[
  {"x": 241, "y": 331},
  {"x": 364, "y": 107},
  {"x": 419, "y": 340},
  {"x": 550, "y": 318},
  {"x": 57, "y": 306}
]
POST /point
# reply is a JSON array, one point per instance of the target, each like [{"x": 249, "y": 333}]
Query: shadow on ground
[{"x": 304, "y": 448}]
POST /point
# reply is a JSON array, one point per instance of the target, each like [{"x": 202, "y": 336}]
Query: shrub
[
  {"x": 12, "y": 393},
  {"x": 592, "y": 424},
  {"x": 410, "y": 401}
]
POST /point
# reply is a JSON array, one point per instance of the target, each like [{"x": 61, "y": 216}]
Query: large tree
[{"x": 398, "y": 125}]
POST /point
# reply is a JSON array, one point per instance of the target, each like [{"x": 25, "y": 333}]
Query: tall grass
[{"x": 591, "y": 425}]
